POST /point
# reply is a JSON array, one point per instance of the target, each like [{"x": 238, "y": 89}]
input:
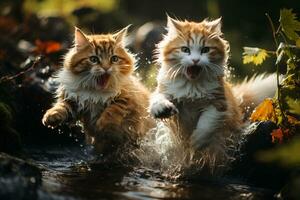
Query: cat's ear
[
  {"x": 120, "y": 36},
  {"x": 174, "y": 26},
  {"x": 214, "y": 25},
  {"x": 80, "y": 39}
]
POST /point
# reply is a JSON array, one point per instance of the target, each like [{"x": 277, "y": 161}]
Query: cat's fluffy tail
[{"x": 251, "y": 92}]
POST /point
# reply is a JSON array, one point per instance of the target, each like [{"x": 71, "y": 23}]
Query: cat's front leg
[
  {"x": 57, "y": 114},
  {"x": 113, "y": 116},
  {"x": 161, "y": 107},
  {"x": 210, "y": 120}
]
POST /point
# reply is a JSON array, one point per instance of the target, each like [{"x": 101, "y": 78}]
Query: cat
[
  {"x": 206, "y": 111},
  {"x": 97, "y": 87}
]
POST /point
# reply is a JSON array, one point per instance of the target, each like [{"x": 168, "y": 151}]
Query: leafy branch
[{"x": 284, "y": 108}]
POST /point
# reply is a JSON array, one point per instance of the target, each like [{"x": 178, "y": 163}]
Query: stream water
[{"x": 74, "y": 172}]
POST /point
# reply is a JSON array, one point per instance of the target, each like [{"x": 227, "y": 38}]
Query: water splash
[{"x": 161, "y": 150}]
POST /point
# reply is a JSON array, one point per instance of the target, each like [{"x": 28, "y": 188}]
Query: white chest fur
[
  {"x": 88, "y": 101},
  {"x": 181, "y": 88}
]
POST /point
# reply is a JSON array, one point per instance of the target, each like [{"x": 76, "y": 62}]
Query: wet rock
[
  {"x": 22, "y": 180},
  {"x": 249, "y": 169},
  {"x": 18, "y": 179}
]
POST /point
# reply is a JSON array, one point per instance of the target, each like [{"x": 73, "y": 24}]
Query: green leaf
[
  {"x": 289, "y": 23},
  {"x": 254, "y": 55},
  {"x": 294, "y": 105}
]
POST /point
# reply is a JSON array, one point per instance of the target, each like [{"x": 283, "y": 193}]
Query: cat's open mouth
[
  {"x": 193, "y": 71},
  {"x": 102, "y": 80}
]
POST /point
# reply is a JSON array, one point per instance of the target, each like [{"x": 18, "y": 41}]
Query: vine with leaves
[{"x": 284, "y": 108}]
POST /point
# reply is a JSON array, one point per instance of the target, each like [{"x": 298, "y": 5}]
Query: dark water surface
[{"x": 72, "y": 173}]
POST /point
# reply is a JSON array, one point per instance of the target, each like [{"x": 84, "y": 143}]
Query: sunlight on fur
[
  {"x": 202, "y": 109},
  {"x": 97, "y": 87}
]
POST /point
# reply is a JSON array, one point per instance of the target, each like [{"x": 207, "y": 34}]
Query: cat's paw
[
  {"x": 163, "y": 109},
  {"x": 53, "y": 118}
]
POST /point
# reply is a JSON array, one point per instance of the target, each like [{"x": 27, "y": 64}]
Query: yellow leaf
[
  {"x": 289, "y": 24},
  {"x": 294, "y": 105},
  {"x": 254, "y": 55},
  {"x": 264, "y": 112}
]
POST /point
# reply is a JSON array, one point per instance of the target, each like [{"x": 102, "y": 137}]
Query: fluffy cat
[
  {"x": 194, "y": 94},
  {"x": 97, "y": 86}
]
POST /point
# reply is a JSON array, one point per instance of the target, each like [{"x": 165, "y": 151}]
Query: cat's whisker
[
  {"x": 173, "y": 70},
  {"x": 174, "y": 74},
  {"x": 170, "y": 70},
  {"x": 179, "y": 70}
]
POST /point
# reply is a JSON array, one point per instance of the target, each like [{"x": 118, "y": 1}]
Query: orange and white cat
[
  {"x": 194, "y": 94},
  {"x": 97, "y": 86}
]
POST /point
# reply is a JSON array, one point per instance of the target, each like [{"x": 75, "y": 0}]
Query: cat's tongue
[
  {"x": 193, "y": 71},
  {"x": 103, "y": 80}
]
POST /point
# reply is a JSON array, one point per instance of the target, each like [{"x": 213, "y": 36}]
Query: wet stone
[{"x": 19, "y": 179}]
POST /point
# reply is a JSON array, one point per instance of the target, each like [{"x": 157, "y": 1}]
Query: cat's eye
[
  {"x": 114, "y": 59},
  {"x": 185, "y": 50},
  {"x": 205, "y": 49},
  {"x": 94, "y": 59}
]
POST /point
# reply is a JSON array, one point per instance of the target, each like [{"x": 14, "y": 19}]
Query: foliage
[
  {"x": 289, "y": 24},
  {"x": 284, "y": 108},
  {"x": 57, "y": 7},
  {"x": 254, "y": 55},
  {"x": 294, "y": 105}
]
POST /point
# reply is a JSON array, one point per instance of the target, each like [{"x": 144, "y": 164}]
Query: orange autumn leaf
[
  {"x": 46, "y": 47},
  {"x": 264, "y": 111},
  {"x": 278, "y": 135}
]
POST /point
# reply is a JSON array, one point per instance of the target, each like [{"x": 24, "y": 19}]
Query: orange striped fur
[{"x": 98, "y": 88}]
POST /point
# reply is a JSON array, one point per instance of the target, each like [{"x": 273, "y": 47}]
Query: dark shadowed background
[{"x": 244, "y": 22}]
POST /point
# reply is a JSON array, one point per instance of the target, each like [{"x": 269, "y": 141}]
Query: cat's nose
[
  {"x": 195, "y": 61},
  {"x": 108, "y": 70}
]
